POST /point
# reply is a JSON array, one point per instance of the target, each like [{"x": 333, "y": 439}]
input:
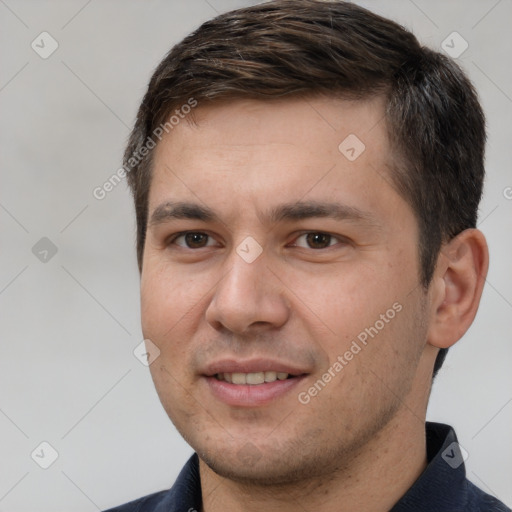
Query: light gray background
[{"x": 69, "y": 326}]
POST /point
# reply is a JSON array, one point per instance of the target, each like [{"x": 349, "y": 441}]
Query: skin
[{"x": 298, "y": 302}]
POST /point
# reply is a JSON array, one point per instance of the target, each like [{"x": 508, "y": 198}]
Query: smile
[{"x": 252, "y": 379}]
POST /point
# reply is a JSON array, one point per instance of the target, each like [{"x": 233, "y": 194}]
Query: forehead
[
  {"x": 258, "y": 150},
  {"x": 285, "y": 121}
]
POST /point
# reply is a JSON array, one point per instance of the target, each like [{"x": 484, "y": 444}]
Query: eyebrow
[
  {"x": 181, "y": 210},
  {"x": 299, "y": 210}
]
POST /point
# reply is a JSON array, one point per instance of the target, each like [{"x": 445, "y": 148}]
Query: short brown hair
[{"x": 287, "y": 48}]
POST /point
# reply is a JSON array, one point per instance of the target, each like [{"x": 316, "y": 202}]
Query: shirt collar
[{"x": 442, "y": 485}]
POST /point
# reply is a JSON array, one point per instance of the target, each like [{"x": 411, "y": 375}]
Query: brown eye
[
  {"x": 318, "y": 240},
  {"x": 192, "y": 240},
  {"x": 195, "y": 240}
]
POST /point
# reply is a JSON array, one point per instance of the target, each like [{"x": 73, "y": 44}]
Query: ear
[{"x": 456, "y": 287}]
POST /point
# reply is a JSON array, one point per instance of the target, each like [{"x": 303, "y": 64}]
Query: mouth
[
  {"x": 253, "y": 379},
  {"x": 251, "y": 383}
]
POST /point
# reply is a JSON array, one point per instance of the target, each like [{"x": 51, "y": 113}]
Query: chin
[
  {"x": 270, "y": 462},
  {"x": 262, "y": 472}
]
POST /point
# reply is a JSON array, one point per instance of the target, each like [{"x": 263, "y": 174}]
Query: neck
[{"x": 377, "y": 477}]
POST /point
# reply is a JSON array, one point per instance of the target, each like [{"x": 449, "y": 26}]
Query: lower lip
[{"x": 250, "y": 395}]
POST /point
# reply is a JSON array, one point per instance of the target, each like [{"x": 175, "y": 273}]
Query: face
[{"x": 280, "y": 283}]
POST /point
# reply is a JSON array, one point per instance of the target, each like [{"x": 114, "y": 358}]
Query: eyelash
[{"x": 340, "y": 239}]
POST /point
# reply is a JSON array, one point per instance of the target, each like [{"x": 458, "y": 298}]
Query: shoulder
[
  {"x": 149, "y": 503},
  {"x": 479, "y": 501},
  {"x": 183, "y": 496}
]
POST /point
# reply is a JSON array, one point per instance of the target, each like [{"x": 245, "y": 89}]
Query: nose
[{"x": 248, "y": 297}]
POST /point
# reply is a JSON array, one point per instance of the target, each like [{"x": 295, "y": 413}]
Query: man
[{"x": 306, "y": 180}]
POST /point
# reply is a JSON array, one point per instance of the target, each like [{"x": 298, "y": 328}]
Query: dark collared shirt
[{"x": 442, "y": 487}]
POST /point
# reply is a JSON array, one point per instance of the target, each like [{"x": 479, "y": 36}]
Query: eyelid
[
  {"x": 172, "y": 238},
  {"x": 339, "y": 238}
]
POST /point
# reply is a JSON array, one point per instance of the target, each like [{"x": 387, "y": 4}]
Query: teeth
[
  {"x": 255, "y": 378},
  {"x": 239, "y": 378},
  {"x": 252, "y": 378},
  {"x": 270, "y": 376}
]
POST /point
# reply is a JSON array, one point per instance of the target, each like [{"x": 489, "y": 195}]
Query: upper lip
[{"x": 252, "y": 366}]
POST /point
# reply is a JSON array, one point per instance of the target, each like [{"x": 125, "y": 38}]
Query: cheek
[
  {"x": 357, "y": 305},
  {"x": 167, "y": 298},
  {"x": 172, "y": 311},
  {"x": 342, "y": 299},
  {"x": 171, "y": 387}
]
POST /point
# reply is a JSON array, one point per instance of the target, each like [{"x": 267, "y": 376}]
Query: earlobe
[{"x": 457, "y": 287}]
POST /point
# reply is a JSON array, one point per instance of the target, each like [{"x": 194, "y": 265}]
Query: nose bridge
[
  {"x": 246, "y": 274},
  {"x": 248, "y": 292}
]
